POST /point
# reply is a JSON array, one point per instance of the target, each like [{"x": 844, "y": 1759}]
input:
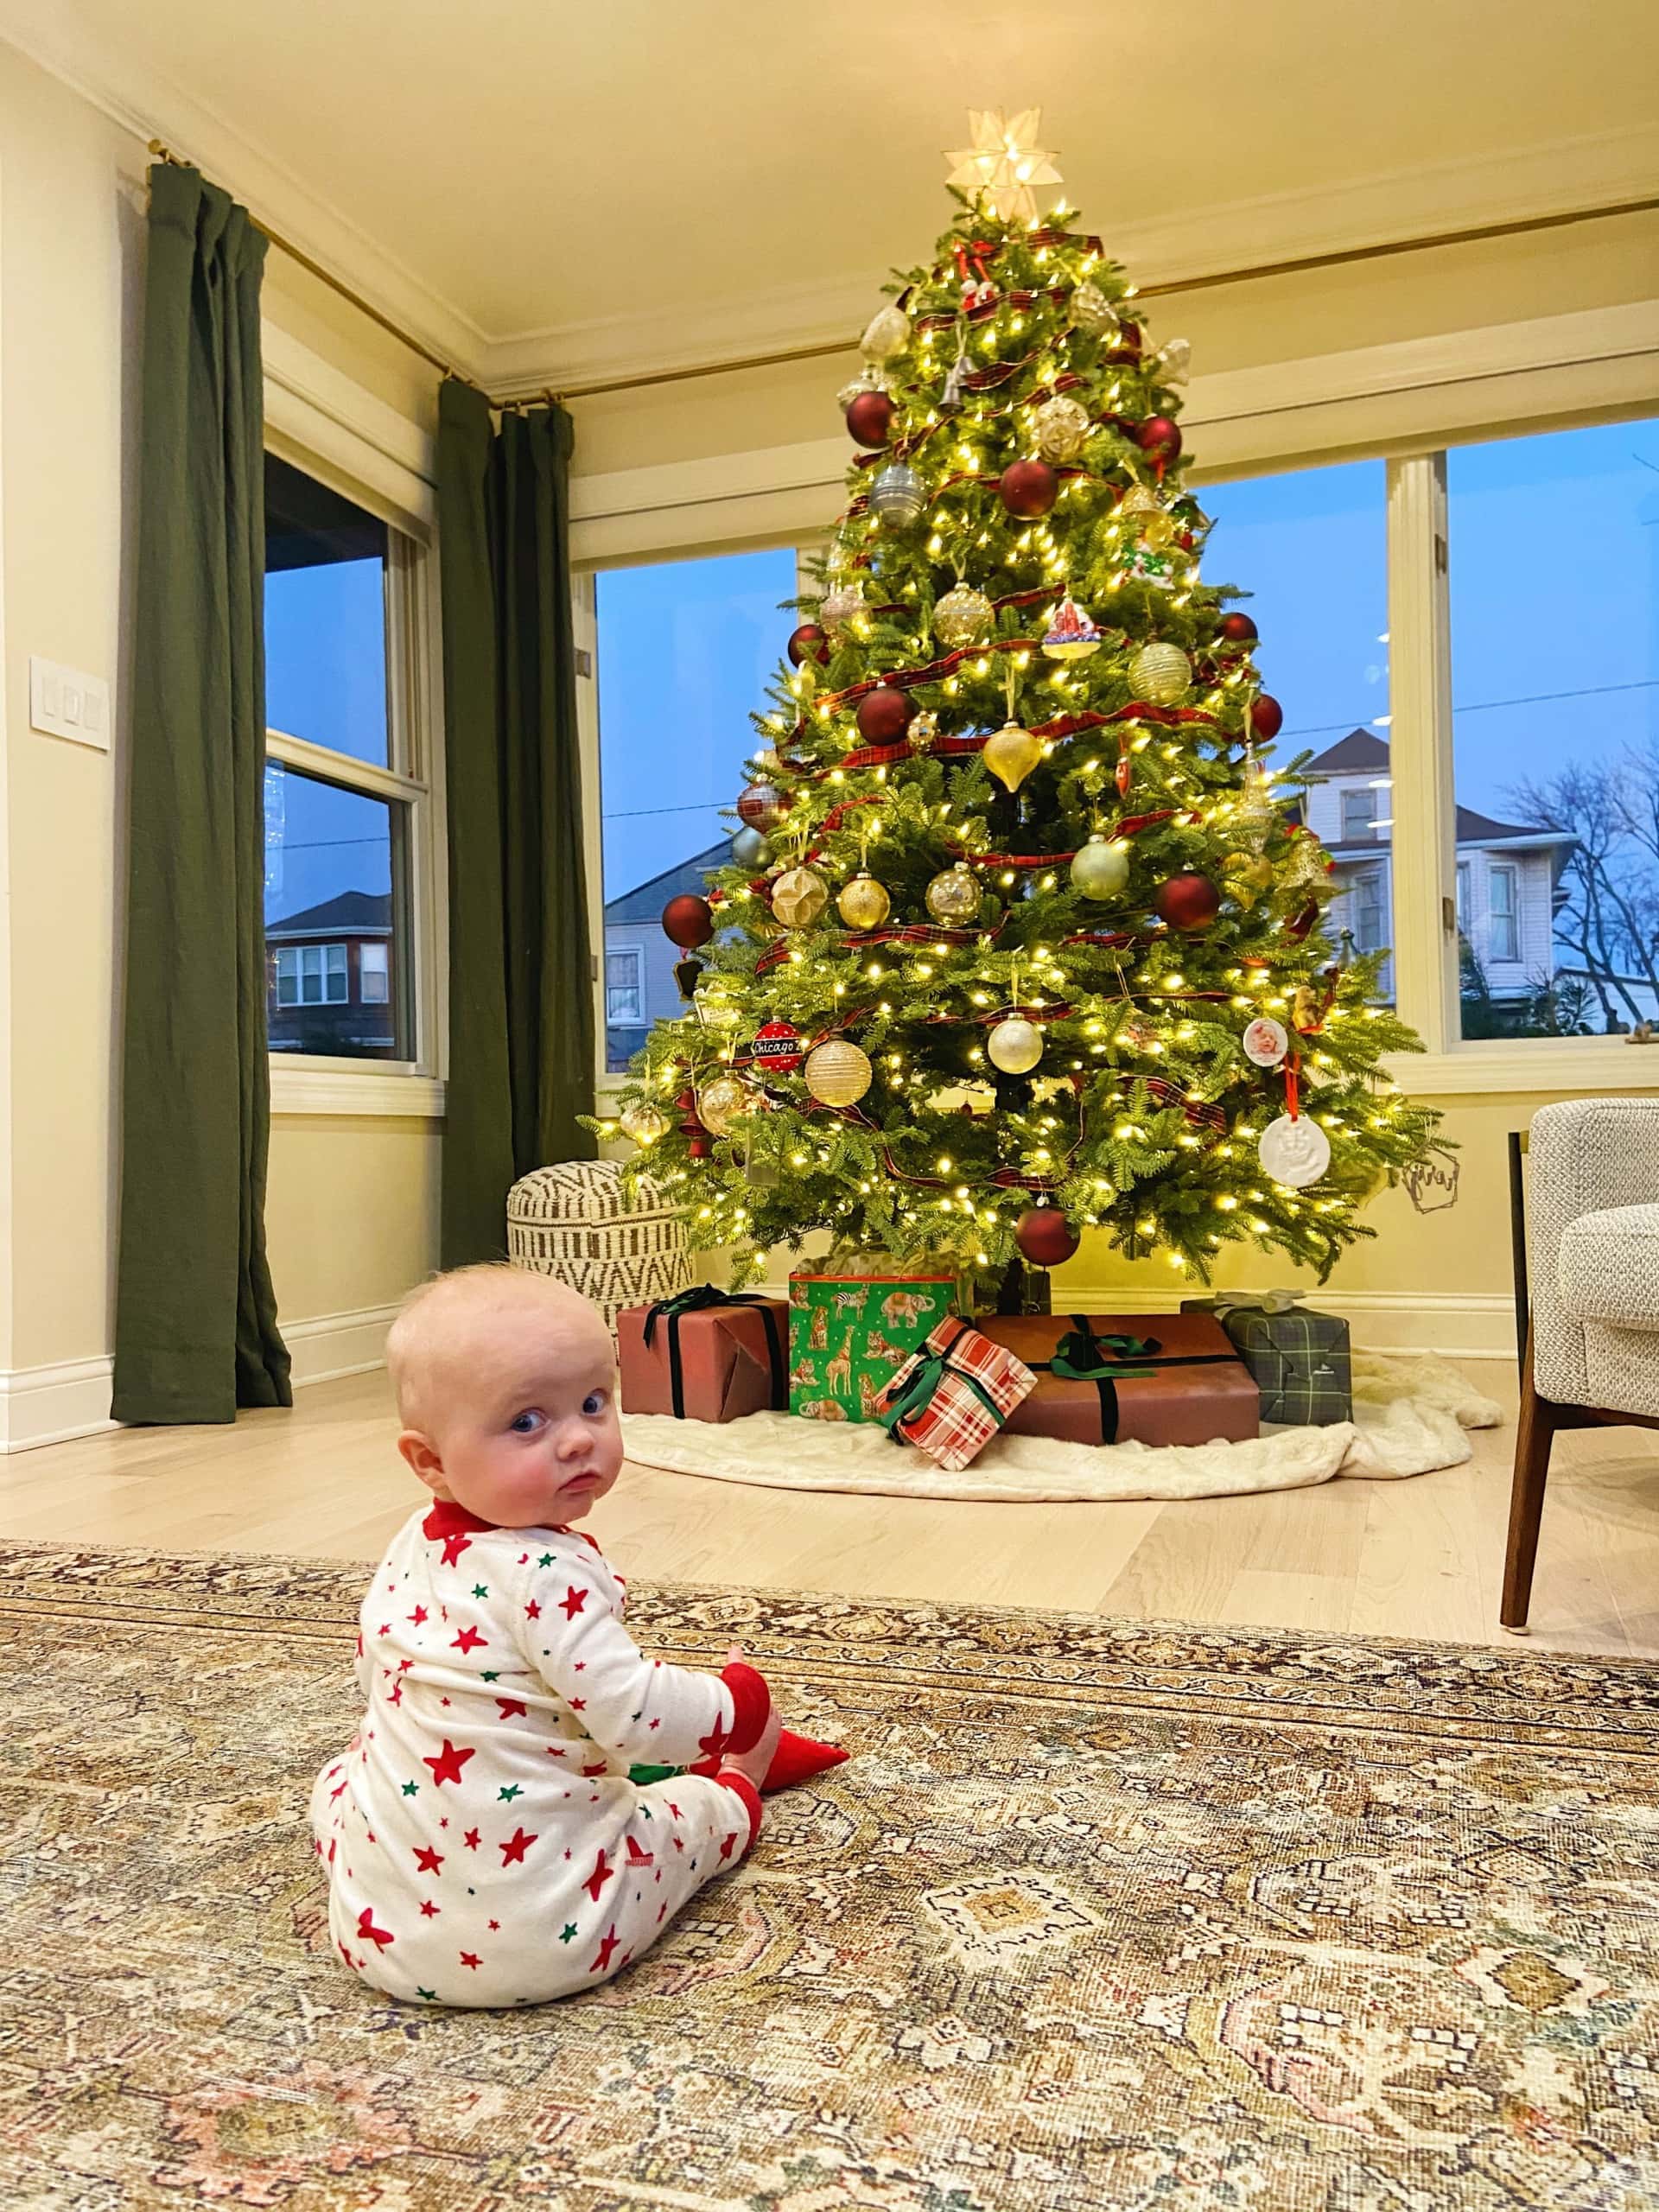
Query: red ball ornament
[
  {"x": 1029, "y": 488},
  {"x": 777, "y": 1049},
  {"x": 869, "y": 419},
  {"x": 1266, "y": 715},
  {"x": 884, "y": 715},
  {"x": 808, "y": 641},
  {"x": 1160, "y": 438},
  {"x": 1237, "y": 629},
  {"x": 763, "y": 806},
  {"x": 687, "y": 921},
  {"x": 1188, "y": 902},
  {"x": 1044, "y": 1237},
  {"x": 697, "y": 1137}
]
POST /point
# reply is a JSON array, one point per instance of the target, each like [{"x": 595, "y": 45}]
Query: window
[
  {"x": 674, "y": 733},
  {"x": 1368, "y": 909},
  {"x": 344, "y": 778},
  {"x": 1555, "y": 746},
  {"x": 1358, "y": 816}
]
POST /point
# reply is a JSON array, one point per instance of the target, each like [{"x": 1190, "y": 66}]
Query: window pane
[
  {"x": 1555, "y": 719},
  {"x": 1311, "y": 549},
  {"x": 686, "y": 648},
  {"x": 325, "y": 615},
  {"x": 335, "y": 898}
]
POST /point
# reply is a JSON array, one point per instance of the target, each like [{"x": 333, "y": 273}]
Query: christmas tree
[{"x": 1022, "y": 932}]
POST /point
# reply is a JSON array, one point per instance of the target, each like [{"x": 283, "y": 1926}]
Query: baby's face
[{"x": 527, "y": 1433}]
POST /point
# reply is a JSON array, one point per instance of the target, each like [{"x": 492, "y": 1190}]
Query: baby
[{"x": 484, "y": 1844}]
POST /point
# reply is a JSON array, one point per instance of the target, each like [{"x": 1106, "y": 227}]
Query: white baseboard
[{"x": 70, "y": 1398}]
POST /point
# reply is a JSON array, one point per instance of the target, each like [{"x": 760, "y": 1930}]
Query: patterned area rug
[{"x": 1101, "y": 1915}]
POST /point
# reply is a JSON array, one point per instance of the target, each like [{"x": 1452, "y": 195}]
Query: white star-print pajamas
[{"x": 482, "y": 1841}]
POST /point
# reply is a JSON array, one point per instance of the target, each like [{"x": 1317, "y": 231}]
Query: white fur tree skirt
[{"x": 1410, "y": 1412}]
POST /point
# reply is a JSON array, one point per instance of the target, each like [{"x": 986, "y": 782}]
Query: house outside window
[
  {"x": 1503, "y": 922},
  {"x": 1369, "y": 910},
  {"x": 1464, "y": 907},
  {"x": 624, "y": 998},
  {"x": 1358, "y": 815}
]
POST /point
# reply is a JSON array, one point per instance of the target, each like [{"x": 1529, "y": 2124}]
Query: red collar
[{"x": 449, "y": 1519}]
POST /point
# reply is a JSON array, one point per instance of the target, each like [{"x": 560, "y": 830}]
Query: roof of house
[
  {"x": 1362, "y": 751},
  {"x": 1359, "y": 749},
  {"x": 352, "y": 912},
  {"x": 644, "y": 903}
]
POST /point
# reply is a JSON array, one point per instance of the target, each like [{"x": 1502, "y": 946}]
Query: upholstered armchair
[{"x": 1592, "y": 1253}]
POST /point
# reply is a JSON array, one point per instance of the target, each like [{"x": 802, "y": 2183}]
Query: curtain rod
[{"x": 1521, "y": 227}]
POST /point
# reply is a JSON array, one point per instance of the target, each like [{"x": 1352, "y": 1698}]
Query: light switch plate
[{"x": 65, "y": 703}]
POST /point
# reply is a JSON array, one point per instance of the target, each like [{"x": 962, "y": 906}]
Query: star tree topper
[{"x": 1004, "y": 162}]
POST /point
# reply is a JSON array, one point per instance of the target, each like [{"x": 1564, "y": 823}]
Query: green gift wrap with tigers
[{"x": 850, "y": 1327}]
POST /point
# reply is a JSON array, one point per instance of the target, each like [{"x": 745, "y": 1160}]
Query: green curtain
[
  {"x": 195, "y": 1331},
  {"x": 521, "y": 997}
]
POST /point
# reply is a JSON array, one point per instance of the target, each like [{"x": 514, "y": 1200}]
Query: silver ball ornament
[
  {"x": 898, "y": 495},
  {"x": 839, "y": 609},
  {"x": 1092, "y": 313},
  {"x": 724, "y": 1102},
  {"x": 1161, "y": 673},
  {"x": 643, "y": 1124},
  {"x": 751, "y": 850},
  {"x": 953, "y": 895},
  {"x": 886, "y": 333},
  {"x": 1061, "y": 426},
  {"x": 1101, "y": 869},
  {"x": 963, "y": 616},
  {"x": 1015, "y": 1046}
]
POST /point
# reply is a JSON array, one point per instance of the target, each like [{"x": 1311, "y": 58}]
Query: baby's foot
[{"x": 754, "y": 1763}]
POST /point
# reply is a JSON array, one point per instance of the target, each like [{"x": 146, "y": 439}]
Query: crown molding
[{"x": 140, "y": 98}]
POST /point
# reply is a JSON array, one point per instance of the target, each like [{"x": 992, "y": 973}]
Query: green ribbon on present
[
  {"x": 1081, "y": 1356},
  {"x": 915, "y": 1394}
]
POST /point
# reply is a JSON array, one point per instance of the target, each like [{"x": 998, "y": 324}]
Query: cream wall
[{"x": 352, "y": 1203}]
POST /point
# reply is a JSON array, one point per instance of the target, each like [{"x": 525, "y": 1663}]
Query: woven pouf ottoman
[{"x": 575, "y": 1221}]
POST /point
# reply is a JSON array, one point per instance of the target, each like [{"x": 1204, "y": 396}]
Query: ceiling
[{"x": 550, "y": 190}]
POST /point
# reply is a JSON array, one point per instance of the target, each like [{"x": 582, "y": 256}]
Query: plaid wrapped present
[
  {"x": 950, "y": 1398},
  {"x": 1301, "y": 1359}
]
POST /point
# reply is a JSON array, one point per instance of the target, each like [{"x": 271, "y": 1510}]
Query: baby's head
[{"x": 506, "y": 1396}]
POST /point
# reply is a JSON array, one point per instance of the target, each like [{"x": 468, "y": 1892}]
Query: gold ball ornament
[
  {"x": 886, "y": 333},
  {"x": 1101, "y": 869},
  {"x": 953, "y": 895},
  {"x": 642, "y": 1125},
  {"x": 963, "y": 616},
  {"x": 1160, "y": 674},
  {"x": 839, "y": 609},
  {"x": 1062, "y": 426},
  {"x": 1092, "y": 313},
  {"x": 1010, "y": 753},
  {"x": 863, "y": 902},
  {"x": 838, "y": 1074},
  {"x": 1015, "y": 1046},
  {"x": 799, "y": 897},
  {"x": 722, "y": 1103}
]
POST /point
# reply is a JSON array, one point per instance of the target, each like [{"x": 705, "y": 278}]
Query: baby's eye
[
  {"x": 526, "y": 1424},
  {"x": 593, "y": 1404}
]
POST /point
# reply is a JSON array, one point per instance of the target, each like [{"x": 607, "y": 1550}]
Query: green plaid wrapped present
[{"x": 1299, "y": 1359}]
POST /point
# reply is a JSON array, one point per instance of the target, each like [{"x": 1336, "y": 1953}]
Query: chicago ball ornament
[
  {"x": 1266, "y": 715},
  {"x": 1015, "y": 1046},
  {"x": 1187, "y": 902},
  {"x": 838, "y": 1072},
  {"x": 1160, "y": 674},
  {"x": 687, "y": 921},
  {"x": 724, "y": 1102},
  {"x": 1159, "y": 438},
  {"x": 776, "y": 1048},
  {"x": 1295, "y": 1150},
  {"x": 884, "y": 715},
  {"x": 1011, "y": 753},
  {"x": 1029, "y": 488},
  {"x": 750, "y": 849},
  {"x": 863, "y": 902},
  {"x": 898, "y": 496},
  {"x": 1044, "y": 1237},
  {"x": 1235, "y": 628},
  {"x": 953, "y": 895},
  {"x": 1101, "y": 869},
  {"x": 869, "y": 419},
  {"x": 799, "y": 897},
  {"x": 643, "y": 1124},
  {"x": 963, "y": 616},
  {"x": 886, "y": 333},
  {"x": 762, "y": 806},
  {"x": 839, "y": 609},
  {"x": 1092, "y": 313},
  {"x": 1062, "y": 428},
  {"x": 808, "y": 640}
]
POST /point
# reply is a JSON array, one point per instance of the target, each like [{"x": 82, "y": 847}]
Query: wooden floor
[{"x": 1419, "y": 1558}]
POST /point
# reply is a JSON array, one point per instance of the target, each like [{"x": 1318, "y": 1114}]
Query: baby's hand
[{"x": 756, "y": 1762}]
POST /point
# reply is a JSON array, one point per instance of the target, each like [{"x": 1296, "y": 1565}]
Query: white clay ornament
[
  {"x": 1266, "y": 1041},
  {"x": 1295, "y": 1151}
]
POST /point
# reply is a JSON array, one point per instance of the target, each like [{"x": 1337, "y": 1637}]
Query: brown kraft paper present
[
  {"x": 704, "y": 1355},
  {"x": 1186, "y": 1384}
]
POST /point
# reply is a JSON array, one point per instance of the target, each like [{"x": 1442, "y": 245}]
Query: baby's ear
[{"x": 422, "y": 1458}]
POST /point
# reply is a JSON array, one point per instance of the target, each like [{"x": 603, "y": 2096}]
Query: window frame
[{"x": 322, "y": 422}]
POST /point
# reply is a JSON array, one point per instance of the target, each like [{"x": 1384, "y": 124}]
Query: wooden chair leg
[{"x": 1535, "y": 1433}]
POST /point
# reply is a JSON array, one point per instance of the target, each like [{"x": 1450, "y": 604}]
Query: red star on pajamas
[
  {"x": 725, "y": 1848},
  {"x": 512, "y": 1852},
  {"x": 601, "y": 1874},
  {"x": 577, "y": 1704},
  {"x": 573, "y": 1601},
  {"x": 468, "y": 1640},
  {"x": 454, "y": 1546},
  {"x": 470, "y": 1839},
  {"x": 428, "y": 1910},
  {"x": 588, "y": 1772},
  {"x": 605, "y": 1950},
  {"x": 426, "y": 1859},
  {"x": 532, "y": 1611},
  {"x": 384, "y": 1628},
  {"x": 638, "y": 1857},
  {"x": 447, "y": 1766},
  {"x": 368, "y": 1933},
  {"x": 509, "y": 1706},
  {"x": 716, "y": 1744},
  {"x": 674, "y": 1808},
  {"x": 471, "y": 1959},
  {"x": 395, "y": 1694}
]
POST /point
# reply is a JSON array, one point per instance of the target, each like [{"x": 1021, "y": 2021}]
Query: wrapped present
[
  {"x": 704, "y": 1355},
  {"x": 1117, "y": 1378},
  {"x": 850, "y": 1328},
  {"x": 1301, "y": 1359},
  {"x": 950, "y": 1398}
]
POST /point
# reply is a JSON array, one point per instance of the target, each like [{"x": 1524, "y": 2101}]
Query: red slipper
[{"x": 797, "y": 1758}]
